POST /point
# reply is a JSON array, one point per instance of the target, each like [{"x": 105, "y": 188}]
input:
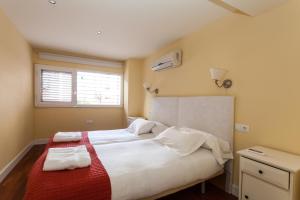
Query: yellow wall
[
  {"x": 262, "y": 55},
  {"x": 126, "y": 93},
  {"x": 50, "y": 120},
  {"x": 133, "y": 87},
  {"x": 16, "y": 88}
]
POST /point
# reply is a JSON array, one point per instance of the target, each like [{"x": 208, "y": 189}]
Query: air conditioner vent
[{"x": 170, "y": 60}]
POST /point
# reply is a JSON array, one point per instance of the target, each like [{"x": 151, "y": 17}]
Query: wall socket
[{"x": 243, "y": 128}]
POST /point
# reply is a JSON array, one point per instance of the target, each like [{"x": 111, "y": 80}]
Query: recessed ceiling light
[
  {"x": 98, "y": 34},
  {"x": 53, "y": 2}
]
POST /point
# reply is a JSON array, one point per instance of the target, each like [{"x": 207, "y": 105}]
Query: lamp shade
[{"x": 216, "y": 73}]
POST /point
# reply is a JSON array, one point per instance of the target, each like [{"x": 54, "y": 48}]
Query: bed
[
  {"x": 116, "y": 136},
  {"x": 144, "y": 169}
]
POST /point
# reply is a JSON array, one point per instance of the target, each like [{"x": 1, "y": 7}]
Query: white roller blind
[
  {"x": 70, "y": 87},
  {"x": 56, "y": 86},
  {"x": 98, "y": 89}
]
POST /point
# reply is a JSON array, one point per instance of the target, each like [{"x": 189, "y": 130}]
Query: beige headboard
[{"x": 213, "y": 114}]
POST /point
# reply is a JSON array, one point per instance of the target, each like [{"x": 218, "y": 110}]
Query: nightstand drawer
[
  {"x": 265, "y": 172},
  {"x": 255, "y": 189}
]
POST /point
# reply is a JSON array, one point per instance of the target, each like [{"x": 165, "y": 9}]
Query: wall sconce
[
  {"x": 147, "y": 87},
  {"x": 217, "y": 75}
]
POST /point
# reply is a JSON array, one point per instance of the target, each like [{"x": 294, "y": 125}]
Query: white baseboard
[
  {"x": 10, "y": 166},
  {"x": 235, "y": 190},
  {"x": 40, "y": 141}
]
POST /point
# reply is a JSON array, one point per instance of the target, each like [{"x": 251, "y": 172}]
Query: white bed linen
[
  {"x": 115, "y": 136},
  {"x": 144, "y": 168}
]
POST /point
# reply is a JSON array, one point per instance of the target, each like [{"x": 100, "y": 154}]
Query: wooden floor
[{"x": 13, "y": 187}]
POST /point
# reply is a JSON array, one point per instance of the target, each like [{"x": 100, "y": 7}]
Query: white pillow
[
  {"x": 140, "y": 126},
  {"x": 183, "y": 141},
  {"x": 158, "y": 128},
  {"x": 220, "y": 148}
]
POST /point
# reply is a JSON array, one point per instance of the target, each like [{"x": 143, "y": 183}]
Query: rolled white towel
[
  {"x": 67, "y": 137},
  {"x": 67, "y": 158}
]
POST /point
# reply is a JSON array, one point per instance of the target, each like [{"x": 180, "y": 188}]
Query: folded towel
[
  {"x": 67, "y": 158},
  {"x": 64, "y": 150},
  {"x": 67, "y": 137}
]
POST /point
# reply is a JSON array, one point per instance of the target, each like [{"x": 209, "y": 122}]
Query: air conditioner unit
[{"x": 173, "y": 59}]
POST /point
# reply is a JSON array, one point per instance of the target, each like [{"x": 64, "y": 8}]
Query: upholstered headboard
[{"x": 213, "y": 114}]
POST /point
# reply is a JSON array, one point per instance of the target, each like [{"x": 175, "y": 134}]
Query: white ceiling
[
  {"x": 130, "y": 28},
  {"x": 254, "y": 7}
]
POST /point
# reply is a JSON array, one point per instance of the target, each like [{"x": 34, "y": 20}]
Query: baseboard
[
  {"x": 40, "y": 141},
  {"x": 10, "y": 166},
  {"x": 235, "y": 190}
]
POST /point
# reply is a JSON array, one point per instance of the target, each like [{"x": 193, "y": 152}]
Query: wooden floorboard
[{"x": 13, "y": 186}]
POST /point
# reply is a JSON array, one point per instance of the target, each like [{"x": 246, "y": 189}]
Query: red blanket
[{"x": 90, "y": 183}]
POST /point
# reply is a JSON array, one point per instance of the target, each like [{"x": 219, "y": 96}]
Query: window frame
[{"x": 73, "y": 103}]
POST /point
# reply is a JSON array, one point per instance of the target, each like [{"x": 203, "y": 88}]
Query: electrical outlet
[
  {"x": 89, "y": 121},
  {"x": 243, "y": 128}
]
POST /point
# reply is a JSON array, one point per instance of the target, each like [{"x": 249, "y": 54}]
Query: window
[
  {"x": 57, "y": 86},
  {"x": 98, "y": 89}
]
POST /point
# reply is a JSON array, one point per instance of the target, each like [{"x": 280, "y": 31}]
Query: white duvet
[
  {"x": 143, "y": 168},
  {"x": 115, "y": 136}
]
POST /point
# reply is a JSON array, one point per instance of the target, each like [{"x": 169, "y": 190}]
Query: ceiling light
[
  {"x": 53, "y": 2},
  {"x": 99, "y": 33}
]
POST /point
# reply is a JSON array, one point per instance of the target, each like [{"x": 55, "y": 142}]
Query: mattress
[
  {"x": 144, "y": 168},
  {"x": 115, "y": 136}
]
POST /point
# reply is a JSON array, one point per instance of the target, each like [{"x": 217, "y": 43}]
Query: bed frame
[
  {"x": 174, "y": 190},
  {"x": 213, "y": 114}
]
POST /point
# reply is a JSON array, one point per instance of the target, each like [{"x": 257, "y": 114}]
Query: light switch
[{"x": 243, "y": 128}]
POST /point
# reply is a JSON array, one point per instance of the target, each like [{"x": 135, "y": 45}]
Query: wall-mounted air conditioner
[{"x": 170, "y": 60}]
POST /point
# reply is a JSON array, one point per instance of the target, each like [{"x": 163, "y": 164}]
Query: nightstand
[{"x": 268, "y": 174}]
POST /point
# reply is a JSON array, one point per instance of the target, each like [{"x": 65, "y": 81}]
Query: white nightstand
[{"x": 270, "y": 175}]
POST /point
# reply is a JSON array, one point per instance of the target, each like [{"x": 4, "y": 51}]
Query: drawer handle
[
  {"x": 260, "y": 171},
  {"x": 246, "y": 197}
]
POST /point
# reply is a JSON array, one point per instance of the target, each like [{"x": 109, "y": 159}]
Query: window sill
[{"x": 78, "y": 106}]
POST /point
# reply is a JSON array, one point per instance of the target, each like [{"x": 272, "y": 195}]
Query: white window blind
[
  {"x": 68, "y": 87},
  {"x": 56, "y": 86},
  {"x": 98, "y": 89}
]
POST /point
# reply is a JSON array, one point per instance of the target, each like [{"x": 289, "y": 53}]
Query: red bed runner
[{"x": 90, "y": 183}]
